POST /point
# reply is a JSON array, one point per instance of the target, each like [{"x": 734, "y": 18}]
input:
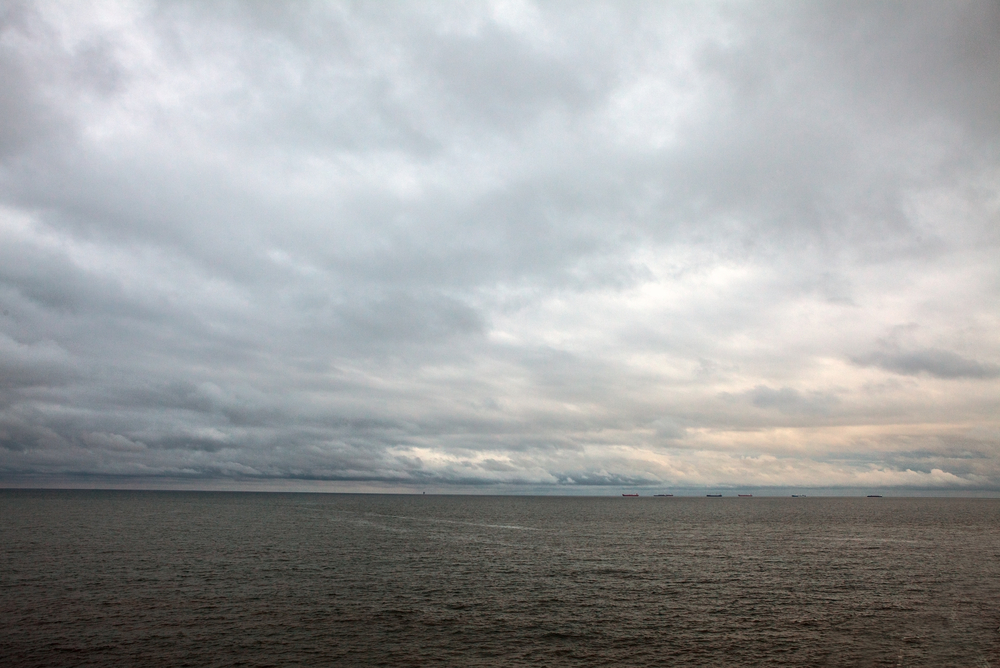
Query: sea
[{"x": 143, "y": 578}]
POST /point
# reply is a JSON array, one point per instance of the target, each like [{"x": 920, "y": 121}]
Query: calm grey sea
[{"x": 223, "y": 579}]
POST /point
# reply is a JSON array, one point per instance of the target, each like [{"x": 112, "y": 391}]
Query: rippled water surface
[{"x": 219, "y": 579}]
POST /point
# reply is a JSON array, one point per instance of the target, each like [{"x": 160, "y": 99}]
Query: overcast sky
[{"x": 502, "y": 244}]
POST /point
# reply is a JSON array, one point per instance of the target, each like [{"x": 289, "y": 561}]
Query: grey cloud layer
[
  {"x": 940, "y": 363},
  {"x": 546, "y": 244}
]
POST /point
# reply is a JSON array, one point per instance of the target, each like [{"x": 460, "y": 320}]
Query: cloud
[
  {"x": 938, "y": 363},
  {"x": 785, "y": 400},
  {"x": 521, "y": 244}
]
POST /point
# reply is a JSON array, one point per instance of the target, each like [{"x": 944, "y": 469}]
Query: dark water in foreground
[{"x": 219, "y": 579}]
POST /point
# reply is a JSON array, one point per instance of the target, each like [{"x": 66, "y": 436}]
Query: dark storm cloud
[{"x": 541, "y": 244}]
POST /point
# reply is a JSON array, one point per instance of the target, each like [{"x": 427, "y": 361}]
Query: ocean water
[{"x": 225, "y": 579}]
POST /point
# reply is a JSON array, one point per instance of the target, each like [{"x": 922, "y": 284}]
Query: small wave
[{"x": 439, "y": 520}]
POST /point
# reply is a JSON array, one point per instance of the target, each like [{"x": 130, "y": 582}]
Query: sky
[{"x": 501, "y": 245}]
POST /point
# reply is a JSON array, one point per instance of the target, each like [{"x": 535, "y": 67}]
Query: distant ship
[
  {"x": 714, "y": 496},
  {"x": 874, "y": 496},
  {"x": 745, "y": 496},
  {"x": 630, "y": 495},
  {"x": 663, "y": 495},
  {"x": 797, "y": 496}
]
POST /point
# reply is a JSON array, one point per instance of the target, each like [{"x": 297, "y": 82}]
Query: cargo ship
[{"x": 630, "y": 495}]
